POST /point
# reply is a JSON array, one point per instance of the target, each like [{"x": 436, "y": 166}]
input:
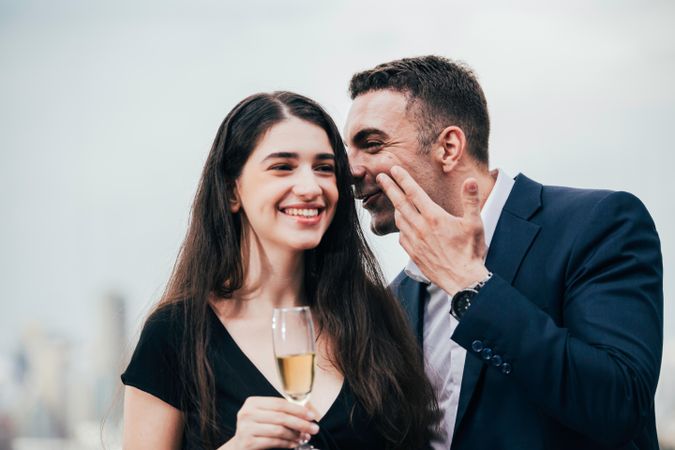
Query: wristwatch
[{"x": 461, "y": 301}]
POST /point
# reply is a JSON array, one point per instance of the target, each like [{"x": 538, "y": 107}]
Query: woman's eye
[
  {"x": 325, "y": 168},
  {"x": 281, "y": 167}
]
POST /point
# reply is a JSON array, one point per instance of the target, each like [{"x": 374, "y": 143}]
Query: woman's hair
[{"x": 373, "y": 346}]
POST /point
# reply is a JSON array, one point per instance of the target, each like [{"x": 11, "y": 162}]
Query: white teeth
[{"x": 302, "y": 212}]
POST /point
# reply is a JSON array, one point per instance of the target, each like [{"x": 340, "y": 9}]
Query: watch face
[{"x": 462, "y": 301}]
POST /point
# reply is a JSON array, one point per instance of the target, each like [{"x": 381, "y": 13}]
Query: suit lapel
[
  {"x": 512, "y": 239},
  {"x": 413, "y": 295}
]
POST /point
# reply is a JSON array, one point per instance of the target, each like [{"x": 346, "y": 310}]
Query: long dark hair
[{"x": 374, "y": 348}]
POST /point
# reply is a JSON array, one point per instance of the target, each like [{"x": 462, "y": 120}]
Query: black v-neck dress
[{"x": 154, "y": 369}]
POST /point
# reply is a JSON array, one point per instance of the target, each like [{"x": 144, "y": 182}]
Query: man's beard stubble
[{"x": 383, "y": 207}]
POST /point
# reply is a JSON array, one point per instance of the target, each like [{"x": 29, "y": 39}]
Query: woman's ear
[
  {"x": 235, "y": 202},
  {"x": 450, "y": 148}
]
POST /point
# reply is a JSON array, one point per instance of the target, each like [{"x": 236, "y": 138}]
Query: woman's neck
[{"x": 273, "y": 278}]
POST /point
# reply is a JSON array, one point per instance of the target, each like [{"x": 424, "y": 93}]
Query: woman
[{"x": 274, "y": 224}]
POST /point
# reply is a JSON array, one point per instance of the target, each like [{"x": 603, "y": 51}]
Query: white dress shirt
[{"x": 444, "y": 358}]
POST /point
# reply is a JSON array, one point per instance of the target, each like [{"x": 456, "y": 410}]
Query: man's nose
[{"x": 356, "y": 167}]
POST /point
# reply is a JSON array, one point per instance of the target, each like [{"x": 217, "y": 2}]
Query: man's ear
[
  {"x": 235, "y": 202},
  {"x": 449, "y": 148}
]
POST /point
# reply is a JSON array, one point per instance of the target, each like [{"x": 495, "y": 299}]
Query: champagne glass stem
[{"x": 294, "y": 350}]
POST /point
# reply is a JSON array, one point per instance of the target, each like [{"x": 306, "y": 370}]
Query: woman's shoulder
[
  {"x": 154, "y": 364},
  {"x": 164, "y": 325},
  {"x": 166, "y": 315}
]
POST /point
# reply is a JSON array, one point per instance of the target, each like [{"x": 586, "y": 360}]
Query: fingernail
[
  {"x": 310, "y": 415},
  {"x": 314, "y": 428}
]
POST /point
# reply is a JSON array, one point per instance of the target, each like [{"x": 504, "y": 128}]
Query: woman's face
[{"x": 287, "y": 189}]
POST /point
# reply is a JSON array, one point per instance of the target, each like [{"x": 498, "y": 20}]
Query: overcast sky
[{"x": 108, "y": 110}]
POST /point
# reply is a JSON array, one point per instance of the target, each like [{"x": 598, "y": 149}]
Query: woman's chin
[{"x": 305, "y": 244}]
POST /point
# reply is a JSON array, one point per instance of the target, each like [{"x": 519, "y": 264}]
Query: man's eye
[{"x": 373, "y": 144}]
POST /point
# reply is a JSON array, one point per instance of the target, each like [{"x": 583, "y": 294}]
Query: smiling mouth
[{"x": 301, "y": 212}]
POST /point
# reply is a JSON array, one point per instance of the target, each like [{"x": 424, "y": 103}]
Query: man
[{"x": 539, "y": 308}]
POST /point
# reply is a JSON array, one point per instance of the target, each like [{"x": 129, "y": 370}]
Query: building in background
[
  {"x": 109, "y": 353},
  {"x": 57, "y": 394},
  {"x": 42, "y": 364}
]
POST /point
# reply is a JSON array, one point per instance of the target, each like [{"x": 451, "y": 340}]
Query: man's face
[{"x": 379, "y": 134}]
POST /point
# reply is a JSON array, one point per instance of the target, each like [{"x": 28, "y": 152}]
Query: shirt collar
[{"x": 489, "y": 214}]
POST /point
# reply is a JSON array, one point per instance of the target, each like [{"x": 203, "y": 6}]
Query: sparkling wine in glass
[{"x": 294, "y": 350}]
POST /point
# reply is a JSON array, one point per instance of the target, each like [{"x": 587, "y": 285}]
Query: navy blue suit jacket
[{"x": 564, "y": 342}]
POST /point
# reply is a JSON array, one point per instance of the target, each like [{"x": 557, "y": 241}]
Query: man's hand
[{"x": 449, "y": 250}]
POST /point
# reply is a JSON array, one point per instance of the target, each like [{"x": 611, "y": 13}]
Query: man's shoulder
[
  {"x": 574, "y": 195},
  {"x": 569, "y": 200},
  {"x": 584, "y": 202},
  {"x": 572, "y": 209},
  {"x": 566, "y": 194}
]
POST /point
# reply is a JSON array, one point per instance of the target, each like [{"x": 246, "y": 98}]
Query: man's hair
[{"x": 440, "y": 93}]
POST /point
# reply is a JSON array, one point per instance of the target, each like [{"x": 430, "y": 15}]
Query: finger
[
  {"x": 280, "y": 405},
  {"x": 403, "y": 224},
  {"x": 311, "y": 407},
  {"x": 267, "y": 430},
  {"x": 408, "y": 237},
  {"x": 470, "y": 199},
  {"x": 261, "y": 443},
  {"x": 413, "y": 191},
  {"x": 398, "y": 198},
  {"x": 394, "y": 192},
  {"x": 404, "y": 242},
  {"x": 286, "y": 420}
]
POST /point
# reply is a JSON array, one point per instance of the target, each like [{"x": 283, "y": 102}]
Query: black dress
[{"x": 154, "y": 369}]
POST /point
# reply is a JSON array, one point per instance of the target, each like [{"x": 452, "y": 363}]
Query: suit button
[
  {"x": 497, "y": 361},
  {"x": 486, "y": 353},
  {"x": 506, "y": 368},
  {"x": 477, "y": 346}
]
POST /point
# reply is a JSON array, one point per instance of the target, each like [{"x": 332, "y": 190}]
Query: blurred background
[{"x": 108, "y": 110}]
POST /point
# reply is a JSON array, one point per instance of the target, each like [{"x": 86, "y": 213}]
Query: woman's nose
[{"x": 306, "y": 185}]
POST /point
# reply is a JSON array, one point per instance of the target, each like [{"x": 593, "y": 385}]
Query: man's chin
[{"x": 382, "y": 227}]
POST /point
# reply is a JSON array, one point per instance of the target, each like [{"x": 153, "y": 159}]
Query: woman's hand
[{"x": 270, "y": 422}]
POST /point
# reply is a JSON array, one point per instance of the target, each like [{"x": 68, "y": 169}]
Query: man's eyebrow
[{"x": 360, "y": 138}]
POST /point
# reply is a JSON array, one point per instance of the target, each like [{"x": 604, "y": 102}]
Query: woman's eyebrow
[
  {"x": 281, "y": 155},
  {"x": 292, "y": 155},
  {"x": 322, "y": 156}
]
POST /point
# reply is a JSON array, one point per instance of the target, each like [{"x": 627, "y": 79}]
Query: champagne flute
[{"x": 294, "y": 350}]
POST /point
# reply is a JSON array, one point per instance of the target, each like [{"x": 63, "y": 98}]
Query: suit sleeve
[{"x": 597, "y": 372}]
